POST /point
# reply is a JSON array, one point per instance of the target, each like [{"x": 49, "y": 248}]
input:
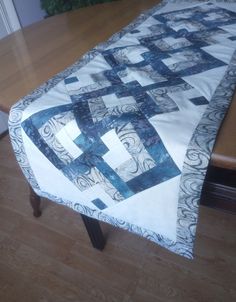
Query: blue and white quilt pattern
[{"x": 116, "y": 136}]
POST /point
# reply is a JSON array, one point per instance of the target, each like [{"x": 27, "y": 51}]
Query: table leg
[
  {"x": 94, "y": 231},
  {"x": 92, "y": 225},
  {"x": 35, "y": 203}
]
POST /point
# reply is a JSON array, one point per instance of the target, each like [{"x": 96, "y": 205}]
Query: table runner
[{"x": 125, "y": 134}]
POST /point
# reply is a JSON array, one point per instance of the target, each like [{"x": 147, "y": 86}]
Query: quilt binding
[{"x": 196, "y": 159}]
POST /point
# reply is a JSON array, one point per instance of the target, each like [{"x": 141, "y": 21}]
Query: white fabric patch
[
  {"x": 117, "y": 153},
  {"x": 68, "y": 144},
  {"x": 206, "y": 82},
  {"x": 53, "y": 98},
  {"x": 112, "y": 100},
  {"x": 160, "y": 201},
  {"x": 72, "y": 130},
  {"x": 221, "y": 52},
  {"x": 134, "y": 54}
]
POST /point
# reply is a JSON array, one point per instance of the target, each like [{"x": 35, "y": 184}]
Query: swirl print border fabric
[{"x": 126, "y": 132}]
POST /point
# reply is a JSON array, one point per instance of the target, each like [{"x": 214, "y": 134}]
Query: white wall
[
  {"x": 3, "y": 31},
  {"x": 9, "y": 21},
  {"x": 3, "y": 122},
  {"x": 28, "y": 11}
]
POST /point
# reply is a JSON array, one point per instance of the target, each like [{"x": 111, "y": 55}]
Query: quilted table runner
[{"x": 125, "y": 134}]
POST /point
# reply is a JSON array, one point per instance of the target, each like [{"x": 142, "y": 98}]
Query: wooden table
[{"x": 33, "y": 55}]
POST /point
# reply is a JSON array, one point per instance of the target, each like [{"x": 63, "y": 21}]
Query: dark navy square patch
[
  {"x": 71, "y": 80},
  {"x": 199, "y": 101}
]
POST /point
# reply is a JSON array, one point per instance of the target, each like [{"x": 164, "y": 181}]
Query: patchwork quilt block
[{"x": 125, "y": 134}]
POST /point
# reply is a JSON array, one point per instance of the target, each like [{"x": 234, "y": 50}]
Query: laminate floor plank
[
  {"x": 13, "y": 284},
  {"x": 174, "y": 283},
  {"x": 51, "y": 259}
]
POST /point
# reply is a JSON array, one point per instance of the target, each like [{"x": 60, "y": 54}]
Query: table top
[{"x": 31, "y": 56}]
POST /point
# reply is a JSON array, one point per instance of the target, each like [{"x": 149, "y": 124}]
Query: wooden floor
[{"x": 50, "y": 259}]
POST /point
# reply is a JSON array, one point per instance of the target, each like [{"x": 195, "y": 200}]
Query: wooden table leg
[
  {"x": 35, "y": 203},
  {"x": 92, "y": 225},
  {"x": 94, "y": 231}
]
